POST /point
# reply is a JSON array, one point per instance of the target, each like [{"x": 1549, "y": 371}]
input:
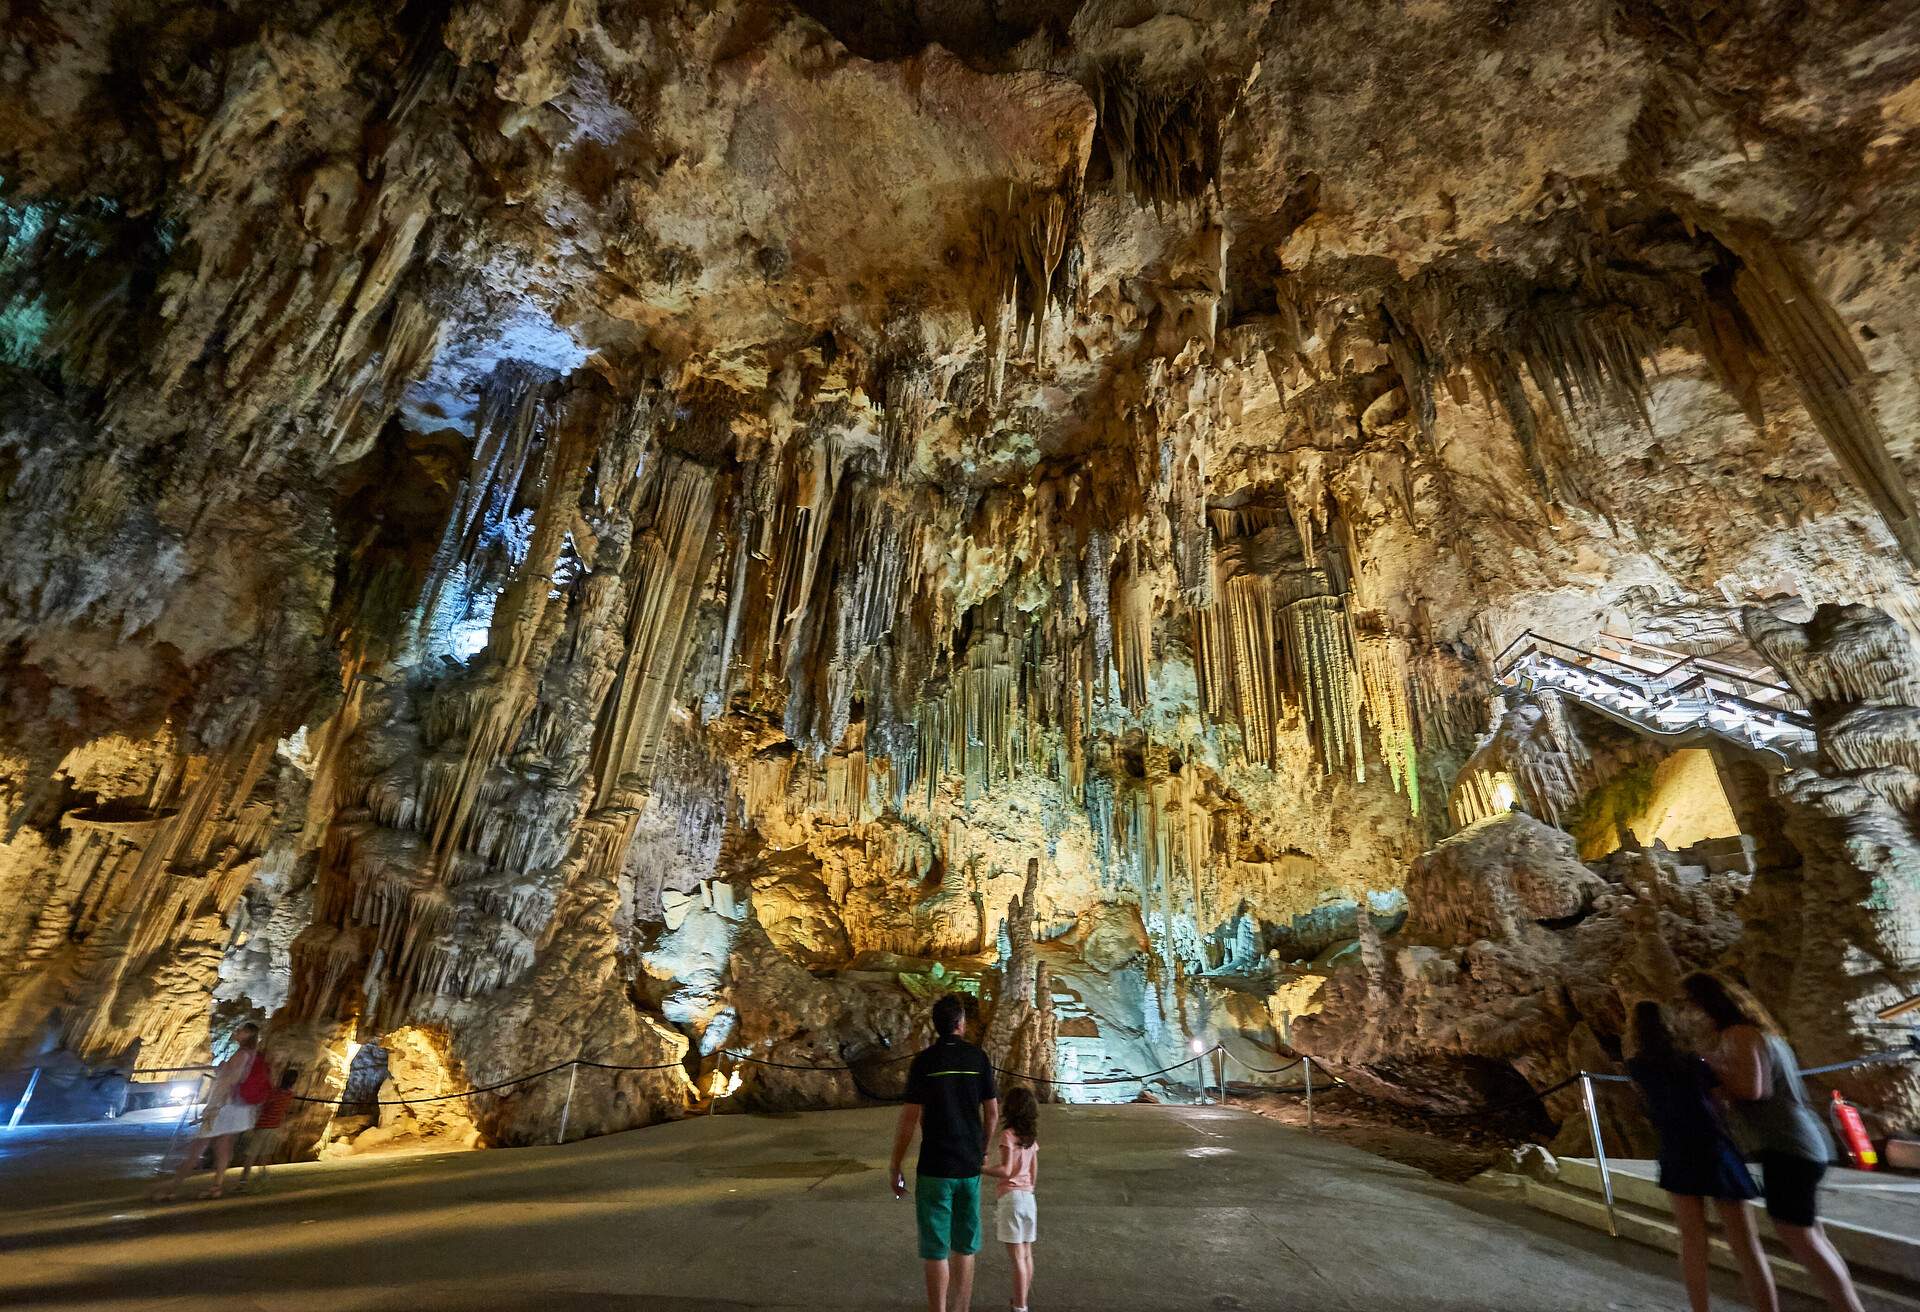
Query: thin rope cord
[{"x": 1887, "y": 1057}]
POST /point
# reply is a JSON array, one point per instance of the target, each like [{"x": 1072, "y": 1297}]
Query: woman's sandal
[{"x": 211, "y": 1194}]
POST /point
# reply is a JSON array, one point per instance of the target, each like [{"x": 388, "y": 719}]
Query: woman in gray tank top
[{"x": 1773, "y": 1121}]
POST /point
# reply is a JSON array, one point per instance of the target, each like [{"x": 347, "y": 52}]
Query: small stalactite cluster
[
  {"x": 1029, "y": 241},
  {"x": 1159, "y": 145},
  {"x": 1573, "y": 356}
]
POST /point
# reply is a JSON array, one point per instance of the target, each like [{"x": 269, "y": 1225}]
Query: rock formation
[{"x": 609, "y": 533}]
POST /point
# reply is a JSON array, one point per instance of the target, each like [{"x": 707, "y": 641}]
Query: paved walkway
[{"x": 1141, "y": 1208}]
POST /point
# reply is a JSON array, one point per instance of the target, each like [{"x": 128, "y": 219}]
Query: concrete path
[{"x": 1140, "y": 1208}]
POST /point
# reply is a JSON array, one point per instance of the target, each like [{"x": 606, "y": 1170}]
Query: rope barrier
[
  {"x": 1889, "y": 1057},
  {"x": 1113, "y": 1079},
  {"x": 441, "y": 1097},
  {"x": 1258, "y": 1070},
  {"x": 578, "y": 1061}
]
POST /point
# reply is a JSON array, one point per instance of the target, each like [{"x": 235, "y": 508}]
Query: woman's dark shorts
[{"x": 1790, "y": 1184}]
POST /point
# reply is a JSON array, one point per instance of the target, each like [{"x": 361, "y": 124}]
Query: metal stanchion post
[
  {"x": 566, "y": 1108},
  {"x": 1599, "y": 1150},
  {"x": 173, "y": 1140},
  {"x": 1200, "y": 1077},
  {"x": 20, "y": 1108},
  {"x": 1220, "y": 1072},
  {"x": 1306, "y": 1064}
]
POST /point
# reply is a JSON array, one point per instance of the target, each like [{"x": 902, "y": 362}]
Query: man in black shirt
[{"x": 952, "y": 1101}]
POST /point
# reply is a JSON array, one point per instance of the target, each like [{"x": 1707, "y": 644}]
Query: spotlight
[{"x": 1198, "y": 1047}]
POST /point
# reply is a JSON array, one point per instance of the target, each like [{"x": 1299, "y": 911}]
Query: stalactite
[
  {"x": 194, "y": 861},
  {"x": 506, "y": 423},
  {"x": 1820, "y": 357},
  {"x": 868, "y": 589},
  {"x": 910, "y": 398},
  {"x": 1449, "y": 700},
  {"x": 1280, "y": 636},
  {"x": 1098, "y": 576},
  {"x": 1384, "y": 679},
  {"x": 411, "y": 337},
  {"x": 1237, "y": 662},
  {"x": 1030, "y": 242},
  {"x": 1591, "y": 358},
  {"x": 672, "y": 554},
  {"x": 1320, "y": 677},
  {"x": 521, "y": 628},
  {"x": 1162, "y": 147},
  {"x": 1133, "y": 630}
]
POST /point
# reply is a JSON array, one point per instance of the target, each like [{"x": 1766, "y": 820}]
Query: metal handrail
[
  {"x": 1745, "y": 674},
  {"x": 1508, "y": 658},
  {"x": 1650, "y": 701},
  {"x": 1672, "y": 692},
  {"x": 1588, "y": 1079}
]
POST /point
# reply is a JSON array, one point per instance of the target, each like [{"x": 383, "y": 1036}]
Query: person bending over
[
  {"x": 952, "y": 1102},
  {"x": 1698, "y": 1161},
  {"x": 1761, "y": 1080}
]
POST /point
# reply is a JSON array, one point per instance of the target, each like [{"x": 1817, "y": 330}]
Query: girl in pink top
[{"x": 1019, "y": 1166}]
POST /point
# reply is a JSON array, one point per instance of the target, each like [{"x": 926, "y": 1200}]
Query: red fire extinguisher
[{"x": 1854, "y": 1134}]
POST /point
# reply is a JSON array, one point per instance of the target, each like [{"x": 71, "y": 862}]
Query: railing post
[
  {"x": 20, "y": 1108},
  {"x": 1307, "y": 1065},
  {"x": 1220, "y": 1071},
  {"x": 1599, "y": 1150},
  {"x": 566, "y": 1108},
  {"x": 193, "y": 1100}
]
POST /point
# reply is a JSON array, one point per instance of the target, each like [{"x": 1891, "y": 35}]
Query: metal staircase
[{"x": 1666, "y": 694}]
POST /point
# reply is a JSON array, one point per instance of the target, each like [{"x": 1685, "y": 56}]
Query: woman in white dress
[{"x": 227, "y": 1117}]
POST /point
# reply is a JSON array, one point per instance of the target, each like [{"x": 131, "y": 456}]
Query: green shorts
[{"x": 948, "y": 1212}]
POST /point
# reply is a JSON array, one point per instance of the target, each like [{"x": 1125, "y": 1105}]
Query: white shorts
[
  {"x": 231, "y": 1118},
  {"x": 1015, "y": 1218}
]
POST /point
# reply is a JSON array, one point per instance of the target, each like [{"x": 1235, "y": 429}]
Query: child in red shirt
[{"x": 269, "y": 1129}]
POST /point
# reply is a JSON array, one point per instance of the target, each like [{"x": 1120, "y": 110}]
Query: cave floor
[{"x": 1142, "y": 1207}]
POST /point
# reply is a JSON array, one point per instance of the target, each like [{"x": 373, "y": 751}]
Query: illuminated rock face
[{"x": 621, "y": 536}]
